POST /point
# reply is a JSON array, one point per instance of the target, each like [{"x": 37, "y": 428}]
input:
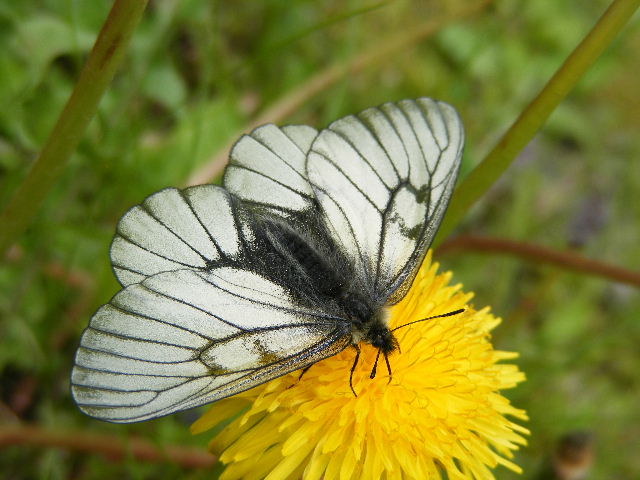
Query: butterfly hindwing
[
  {"x": 184, "y": 338},
  {"x": 383, "y": 179},
  {"x": 267, "y": 169},
  {"x": 203, "y": 226}
]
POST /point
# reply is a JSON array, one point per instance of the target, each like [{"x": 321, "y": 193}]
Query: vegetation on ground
[{"x": 198, "y": 73}]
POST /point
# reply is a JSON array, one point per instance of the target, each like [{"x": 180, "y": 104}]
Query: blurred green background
[{"x": 199, "y": 72}]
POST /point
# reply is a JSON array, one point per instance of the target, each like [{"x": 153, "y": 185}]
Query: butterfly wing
[
  {"x": 204, "y": 226},
  {"x": 267, "y": 169},
  {"x": 199, "y": 227},
  {"x": 383, "y": 179},
  {"x": 184, "y": 338}
]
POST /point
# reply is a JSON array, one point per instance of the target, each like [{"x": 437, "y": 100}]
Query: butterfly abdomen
[{"x": 301, "y": 263}]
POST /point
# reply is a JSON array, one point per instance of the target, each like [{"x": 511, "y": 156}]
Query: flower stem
[
  {"x": 96, "y": 75},
  {"x": 535, "y": 115}
]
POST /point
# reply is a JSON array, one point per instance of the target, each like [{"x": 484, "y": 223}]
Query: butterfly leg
[
  {"x": 386, "y": 359},
  {"x": 304, "y": 370},
  {"x": 375, "y": 366},
  {"x": 353, "y": 368}
]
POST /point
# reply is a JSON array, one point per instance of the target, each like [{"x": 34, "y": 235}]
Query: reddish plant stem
[
  {"x": 107, "y": 445},
  {"x": 564, "y": 259}
]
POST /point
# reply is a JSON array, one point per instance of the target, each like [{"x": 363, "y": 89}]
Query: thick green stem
[
  {"x": 96, "y": 75},
  {"x": 534, "y": 116}
]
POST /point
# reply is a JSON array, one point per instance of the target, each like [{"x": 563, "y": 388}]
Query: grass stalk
[
  {"x": 101, "y": 65},
  {"x": 535, "y": 115},
  {"x": 292, "y": 101}
]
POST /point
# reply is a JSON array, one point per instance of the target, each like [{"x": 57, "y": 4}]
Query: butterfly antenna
[
  {"x": 375, "y": 366},
  {"x": 353, "y": 368},
  {"x": 450, "y": 314}
]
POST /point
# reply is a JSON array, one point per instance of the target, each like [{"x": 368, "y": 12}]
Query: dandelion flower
[{"x": 440, "y": 415}]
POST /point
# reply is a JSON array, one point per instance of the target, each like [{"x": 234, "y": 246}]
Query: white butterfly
[{"x": 314, "y": 235}]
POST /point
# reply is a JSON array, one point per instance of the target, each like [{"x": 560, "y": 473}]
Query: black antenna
[
  {"x": 455, "y": 312},
  {"x": 374, "y": 370}
]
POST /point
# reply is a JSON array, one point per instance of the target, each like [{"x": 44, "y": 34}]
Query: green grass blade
[
  {"x": 96, "y": 75},
  {"x": 536, "y": 114}
]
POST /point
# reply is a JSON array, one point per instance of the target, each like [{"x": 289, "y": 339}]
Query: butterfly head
[
  {"x": 382, "y": 338},
  {"x": 375, "y": 331}
]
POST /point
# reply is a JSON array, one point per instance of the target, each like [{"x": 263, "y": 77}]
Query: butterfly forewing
[
  {"x": 184, "y": 338},
  {"x": 383, "y": 179}
]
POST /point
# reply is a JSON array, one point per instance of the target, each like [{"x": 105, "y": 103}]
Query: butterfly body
[
  {"x": 317, "y": 273},
  {"x": 313, "y": 237}
]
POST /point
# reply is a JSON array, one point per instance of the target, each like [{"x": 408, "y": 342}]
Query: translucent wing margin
[
  {"x": 383, "y": 179},
  {"x": 198, "y": 228},
  {"x": 267, "y": 169},
  {"x": 185, "y": 338}
]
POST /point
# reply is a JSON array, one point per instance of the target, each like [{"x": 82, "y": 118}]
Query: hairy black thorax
[{"x": 314, "y": 270}]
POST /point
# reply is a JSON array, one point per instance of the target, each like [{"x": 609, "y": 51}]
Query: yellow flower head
[{"x": 441, "y": 411}]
